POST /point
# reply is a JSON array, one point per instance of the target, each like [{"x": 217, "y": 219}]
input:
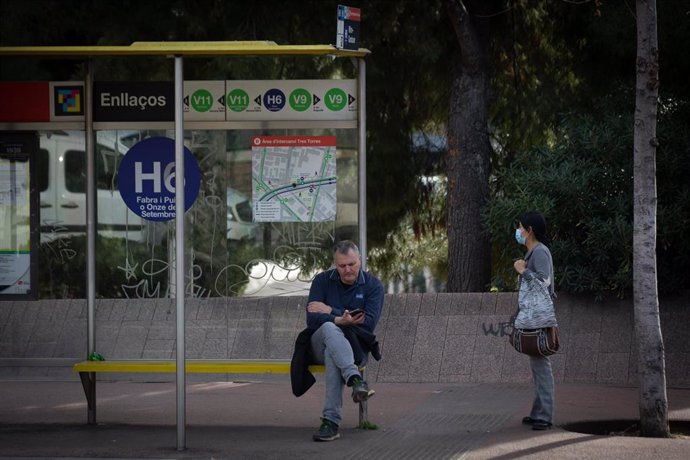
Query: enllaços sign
[{"x": 134, "y": 101}]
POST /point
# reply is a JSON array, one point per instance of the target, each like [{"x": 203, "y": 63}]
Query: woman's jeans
[
  {"x": 542, "y": 408},
  {"x": 330, "y": 347}
]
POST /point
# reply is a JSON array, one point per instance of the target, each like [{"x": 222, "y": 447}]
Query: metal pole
[
  {"x": 90, "y": 212},
  {"x": 362, "y": 126},
  {"x": 179, "y": 250},
  {"x": 362, "y": 165}
]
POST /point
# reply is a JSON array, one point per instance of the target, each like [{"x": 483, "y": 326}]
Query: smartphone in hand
[{"x": 356, "y": 311}]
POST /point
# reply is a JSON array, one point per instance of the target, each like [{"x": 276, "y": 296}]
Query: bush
[{"x": 584, "y": 187}]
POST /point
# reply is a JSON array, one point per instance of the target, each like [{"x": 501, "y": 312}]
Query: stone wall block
[
  {"x": 133, "y": 309},
  {"x": 486, "y": 367},
  {"x": 457, "y": 358},
  {"x": 506, "y": 303},
  {"x": 463, "y": 325},
  {"x": 205, "y": 310},
  {"x": 72, "y": 341},
  {"x": 104, "y": 308},
  {"x": 218, "y": 308},
  {"x": 489, "y": 303},
  {"x": 15, "y": 339},
  {"x": 473, "y": 303},
  {"x": 516, "y": 368},
  {"x": 159, "y": 349},
  {"x": 449, "y": 304},
  {"x": 427, "y": 354},
  {"x": 428, "y": 304},
  {"x": 581, "y": 363},
  {"x": 678, "y": 369},
  {"x": 616, "y": 329},
  {"x": 248, "y": 343},
  {"x": 397, "y": 305},
  {"x": 215, "y": 348},
  {"x": 131, "y": 340},
  {"x": 586, "y": 318},
  {"x": 413, "y": 304},
  {"x": 6, "y": 307},
  {"x": 397, "y": 349},
  {"x": 612, "y": 368}
]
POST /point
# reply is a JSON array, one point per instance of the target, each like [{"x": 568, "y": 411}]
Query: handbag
[{"x": 535, "y": 342}]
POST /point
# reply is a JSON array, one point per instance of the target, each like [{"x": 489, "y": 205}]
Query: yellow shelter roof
[{"x": 226, "y": 48}]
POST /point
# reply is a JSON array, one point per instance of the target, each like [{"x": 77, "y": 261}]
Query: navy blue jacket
[{"x": 366, "y": 293}]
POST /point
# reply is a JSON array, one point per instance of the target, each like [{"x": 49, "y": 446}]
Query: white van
[
  {"x": 240, "y": 225},
  {"x": 62, "y": 184}
]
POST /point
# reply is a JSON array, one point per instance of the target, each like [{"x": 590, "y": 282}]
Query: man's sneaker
[
  {"x": 360, "y": 390},
  {"x": 540, "y": 425},
  {"x": 328, "y": 431}
]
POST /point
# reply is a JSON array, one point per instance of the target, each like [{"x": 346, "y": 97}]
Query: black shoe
[
  {"x": 540, "y": 425},
  {"x": 528, "y": 421},
  {"x": 360, "y": 390},
  {"x": 328, "y": 431}
]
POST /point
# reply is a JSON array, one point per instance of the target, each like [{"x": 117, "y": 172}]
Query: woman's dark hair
[{"x": 536, "y": 221}]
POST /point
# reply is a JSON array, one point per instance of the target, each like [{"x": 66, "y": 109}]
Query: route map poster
[{"x": 293, "y": 178}]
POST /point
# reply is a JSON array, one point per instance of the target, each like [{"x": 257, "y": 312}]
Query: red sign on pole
[{"x": 347, "y": 36}]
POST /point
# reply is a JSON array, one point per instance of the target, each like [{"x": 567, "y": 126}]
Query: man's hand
[
  {"x": 318, "y": 307},
  {"x": 348, "y": 320}
]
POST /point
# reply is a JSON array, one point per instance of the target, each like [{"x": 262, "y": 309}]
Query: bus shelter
[{"x": 90, "y": 104}]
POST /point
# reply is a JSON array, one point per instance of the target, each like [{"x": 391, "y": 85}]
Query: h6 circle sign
[{"x": 146, "y": 179}]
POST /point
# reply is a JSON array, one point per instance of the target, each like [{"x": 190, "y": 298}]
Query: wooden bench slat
[{"x": 195, "y": 366}]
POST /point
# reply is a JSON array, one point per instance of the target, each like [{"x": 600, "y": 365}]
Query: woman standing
[{"x": 536, "y": 281}]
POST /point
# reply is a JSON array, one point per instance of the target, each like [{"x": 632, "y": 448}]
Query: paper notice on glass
[{"x": 13, "y": 184}]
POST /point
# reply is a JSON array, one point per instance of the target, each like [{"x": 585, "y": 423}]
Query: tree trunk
[
  {"x": 468, "y": 162},
  {"x": 651, "y": 363}
]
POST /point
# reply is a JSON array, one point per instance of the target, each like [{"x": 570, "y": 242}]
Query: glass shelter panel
[
  {"x": 281, "y": 258},
  {"x": 15, "y": 220},
  {"x": 228, "y": 252}
]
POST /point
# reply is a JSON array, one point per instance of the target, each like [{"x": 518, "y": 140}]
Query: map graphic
[{"x": 293, "y": 178}]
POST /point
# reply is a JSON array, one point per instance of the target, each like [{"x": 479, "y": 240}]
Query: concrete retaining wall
[{"x": 425, "y": 337}]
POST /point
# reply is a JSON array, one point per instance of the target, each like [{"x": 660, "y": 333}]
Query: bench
[{"x": 88, "y": 369}]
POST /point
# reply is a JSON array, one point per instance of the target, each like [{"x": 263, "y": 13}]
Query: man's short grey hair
[{"x": 344, "y": 247}]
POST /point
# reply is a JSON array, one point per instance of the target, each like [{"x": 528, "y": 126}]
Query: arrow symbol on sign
[
  {"x": 350, "y": 99},
  {"x": 221, "y": 100},
  {"x": 186, "y": 100},
  {"x": 258, "y": 99},
  {"x": 316, "y": 99}
]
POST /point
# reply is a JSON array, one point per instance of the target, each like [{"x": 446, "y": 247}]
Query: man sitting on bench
[{"x": 344, "y": 307}]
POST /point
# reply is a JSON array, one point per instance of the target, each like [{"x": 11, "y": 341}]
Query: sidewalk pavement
[{"x": 263, "y": 420}]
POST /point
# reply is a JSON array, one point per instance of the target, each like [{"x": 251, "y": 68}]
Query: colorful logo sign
[{"x": 69, "y": 100}]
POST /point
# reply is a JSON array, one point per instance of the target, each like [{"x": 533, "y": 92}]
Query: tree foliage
[{"x": 583, "y": 184}]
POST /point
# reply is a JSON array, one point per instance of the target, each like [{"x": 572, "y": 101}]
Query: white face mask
[{"x": 519, "y": 237}]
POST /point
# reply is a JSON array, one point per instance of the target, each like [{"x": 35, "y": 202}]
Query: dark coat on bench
[{"x": 362, "y": 341}]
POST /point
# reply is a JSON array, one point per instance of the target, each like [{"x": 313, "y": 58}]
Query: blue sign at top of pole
[
  {"x": 146, "y": 179},
  {"x": 347, "y": 36}
]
